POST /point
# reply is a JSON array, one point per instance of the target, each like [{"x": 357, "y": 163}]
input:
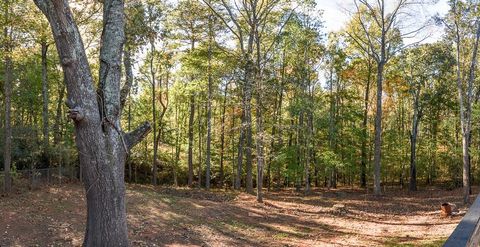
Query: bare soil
[{"x": 54, "y": 216}]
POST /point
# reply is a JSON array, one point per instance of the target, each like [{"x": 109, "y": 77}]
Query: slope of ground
[{"x": 54, "y": 216}]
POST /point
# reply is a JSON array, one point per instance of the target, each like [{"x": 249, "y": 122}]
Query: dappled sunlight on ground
[{"x": 191, "y": 217}]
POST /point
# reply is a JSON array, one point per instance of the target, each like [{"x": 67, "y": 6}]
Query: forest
[{"x": 118, "y": 112}]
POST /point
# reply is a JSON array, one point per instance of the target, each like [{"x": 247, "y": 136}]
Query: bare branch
[
  {"x": 134, "y": 137},
  {"x": 238, "y": 33}
]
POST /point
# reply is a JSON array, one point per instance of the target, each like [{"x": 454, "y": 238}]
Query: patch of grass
[
  {"x": 434, "y": 243},
  {"x": 281, "y": 235},
  {"x": 239, "y": 225},
  {"x": 167, "y": 199},
  {"x": 397, "y": 242}
]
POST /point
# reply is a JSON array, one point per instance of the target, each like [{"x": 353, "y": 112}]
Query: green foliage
[{"x": 313, "y": 89}]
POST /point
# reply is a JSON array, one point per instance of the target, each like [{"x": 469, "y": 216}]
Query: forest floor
[{"x": 54, "y": 216}]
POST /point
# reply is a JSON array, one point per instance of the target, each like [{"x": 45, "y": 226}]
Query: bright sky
[{"x": 335, "y": 14}]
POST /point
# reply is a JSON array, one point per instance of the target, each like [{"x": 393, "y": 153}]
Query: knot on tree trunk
[
  {"x": 76, "y": 114},
  {"x": 67, "y": 61}
]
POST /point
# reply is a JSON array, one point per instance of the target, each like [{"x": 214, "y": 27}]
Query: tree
[
  {"x": 379, "y": 36},
  {"x": 423, "y": 67},
  {"x": 463, "y": 24},
  {"x": 7, "y": 87},
  {"x": 364, "y": 66},
  {"x": 209, "y": 100},
  {"x": 101, "y": 143},
  {"x": 191, "y": 22}
]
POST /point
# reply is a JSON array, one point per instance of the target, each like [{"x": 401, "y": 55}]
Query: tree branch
[
  {"x": 113, "y": 37},
  {"x": 239, "y": 35},
  {"x": 134, "y": 137},
  {"x": 127, "y": 62}
]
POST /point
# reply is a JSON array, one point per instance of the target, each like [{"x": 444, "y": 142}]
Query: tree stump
[{"x": 446, "y": 209}]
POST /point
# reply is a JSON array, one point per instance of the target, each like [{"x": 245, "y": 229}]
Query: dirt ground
[{"x": 54, "y": 216}]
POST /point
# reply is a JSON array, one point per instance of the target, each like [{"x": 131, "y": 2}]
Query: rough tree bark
[{"x": 101, "y": 144}]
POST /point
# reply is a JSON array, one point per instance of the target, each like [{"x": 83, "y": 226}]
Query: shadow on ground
[{"x": 54, "y": 216}]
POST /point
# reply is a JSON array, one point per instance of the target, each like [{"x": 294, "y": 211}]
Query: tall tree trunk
[
  {"x": 101, "y": 144},
  {"x": 190, "y": 127},
  {"x": 200, "y": 149},
  {"x": 232, "y": 143},
  {"x": 249, "y": 81},
  {"x": 465, "y": 100},
  {"x": 125, "y": 93},
  {"x": 222, "y": 137},
  {"x": 259, "y": 122},
  {"x": 259, "y": 137},
  {"x": 154, "y": 114},
  {"x": 245, "y": 140},
  {"x": 45, "y": 97},
  {"x": 332, "y": 127},
  {"x": 241, "y": 142},
  {"x": 309, "y": 150},
  {"x": 248, "y": 140},
  {"x": 191, "y": 122},
  {"x": 177, "y": 144},
  {"x": 209, "y": 103},
  {"x": 164, "y": 104},
  {"x": 276, "y": 121},
  {"x": 363, "y": 167},
  {"x": 7, "y": 87},
  {"x": 378, "y": 131},
  {"x": 57, "y": 132},
  {"x": 413, "y": 142}
]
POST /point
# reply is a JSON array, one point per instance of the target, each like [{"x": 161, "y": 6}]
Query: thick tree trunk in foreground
[{"x": 101, "y": 144}]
